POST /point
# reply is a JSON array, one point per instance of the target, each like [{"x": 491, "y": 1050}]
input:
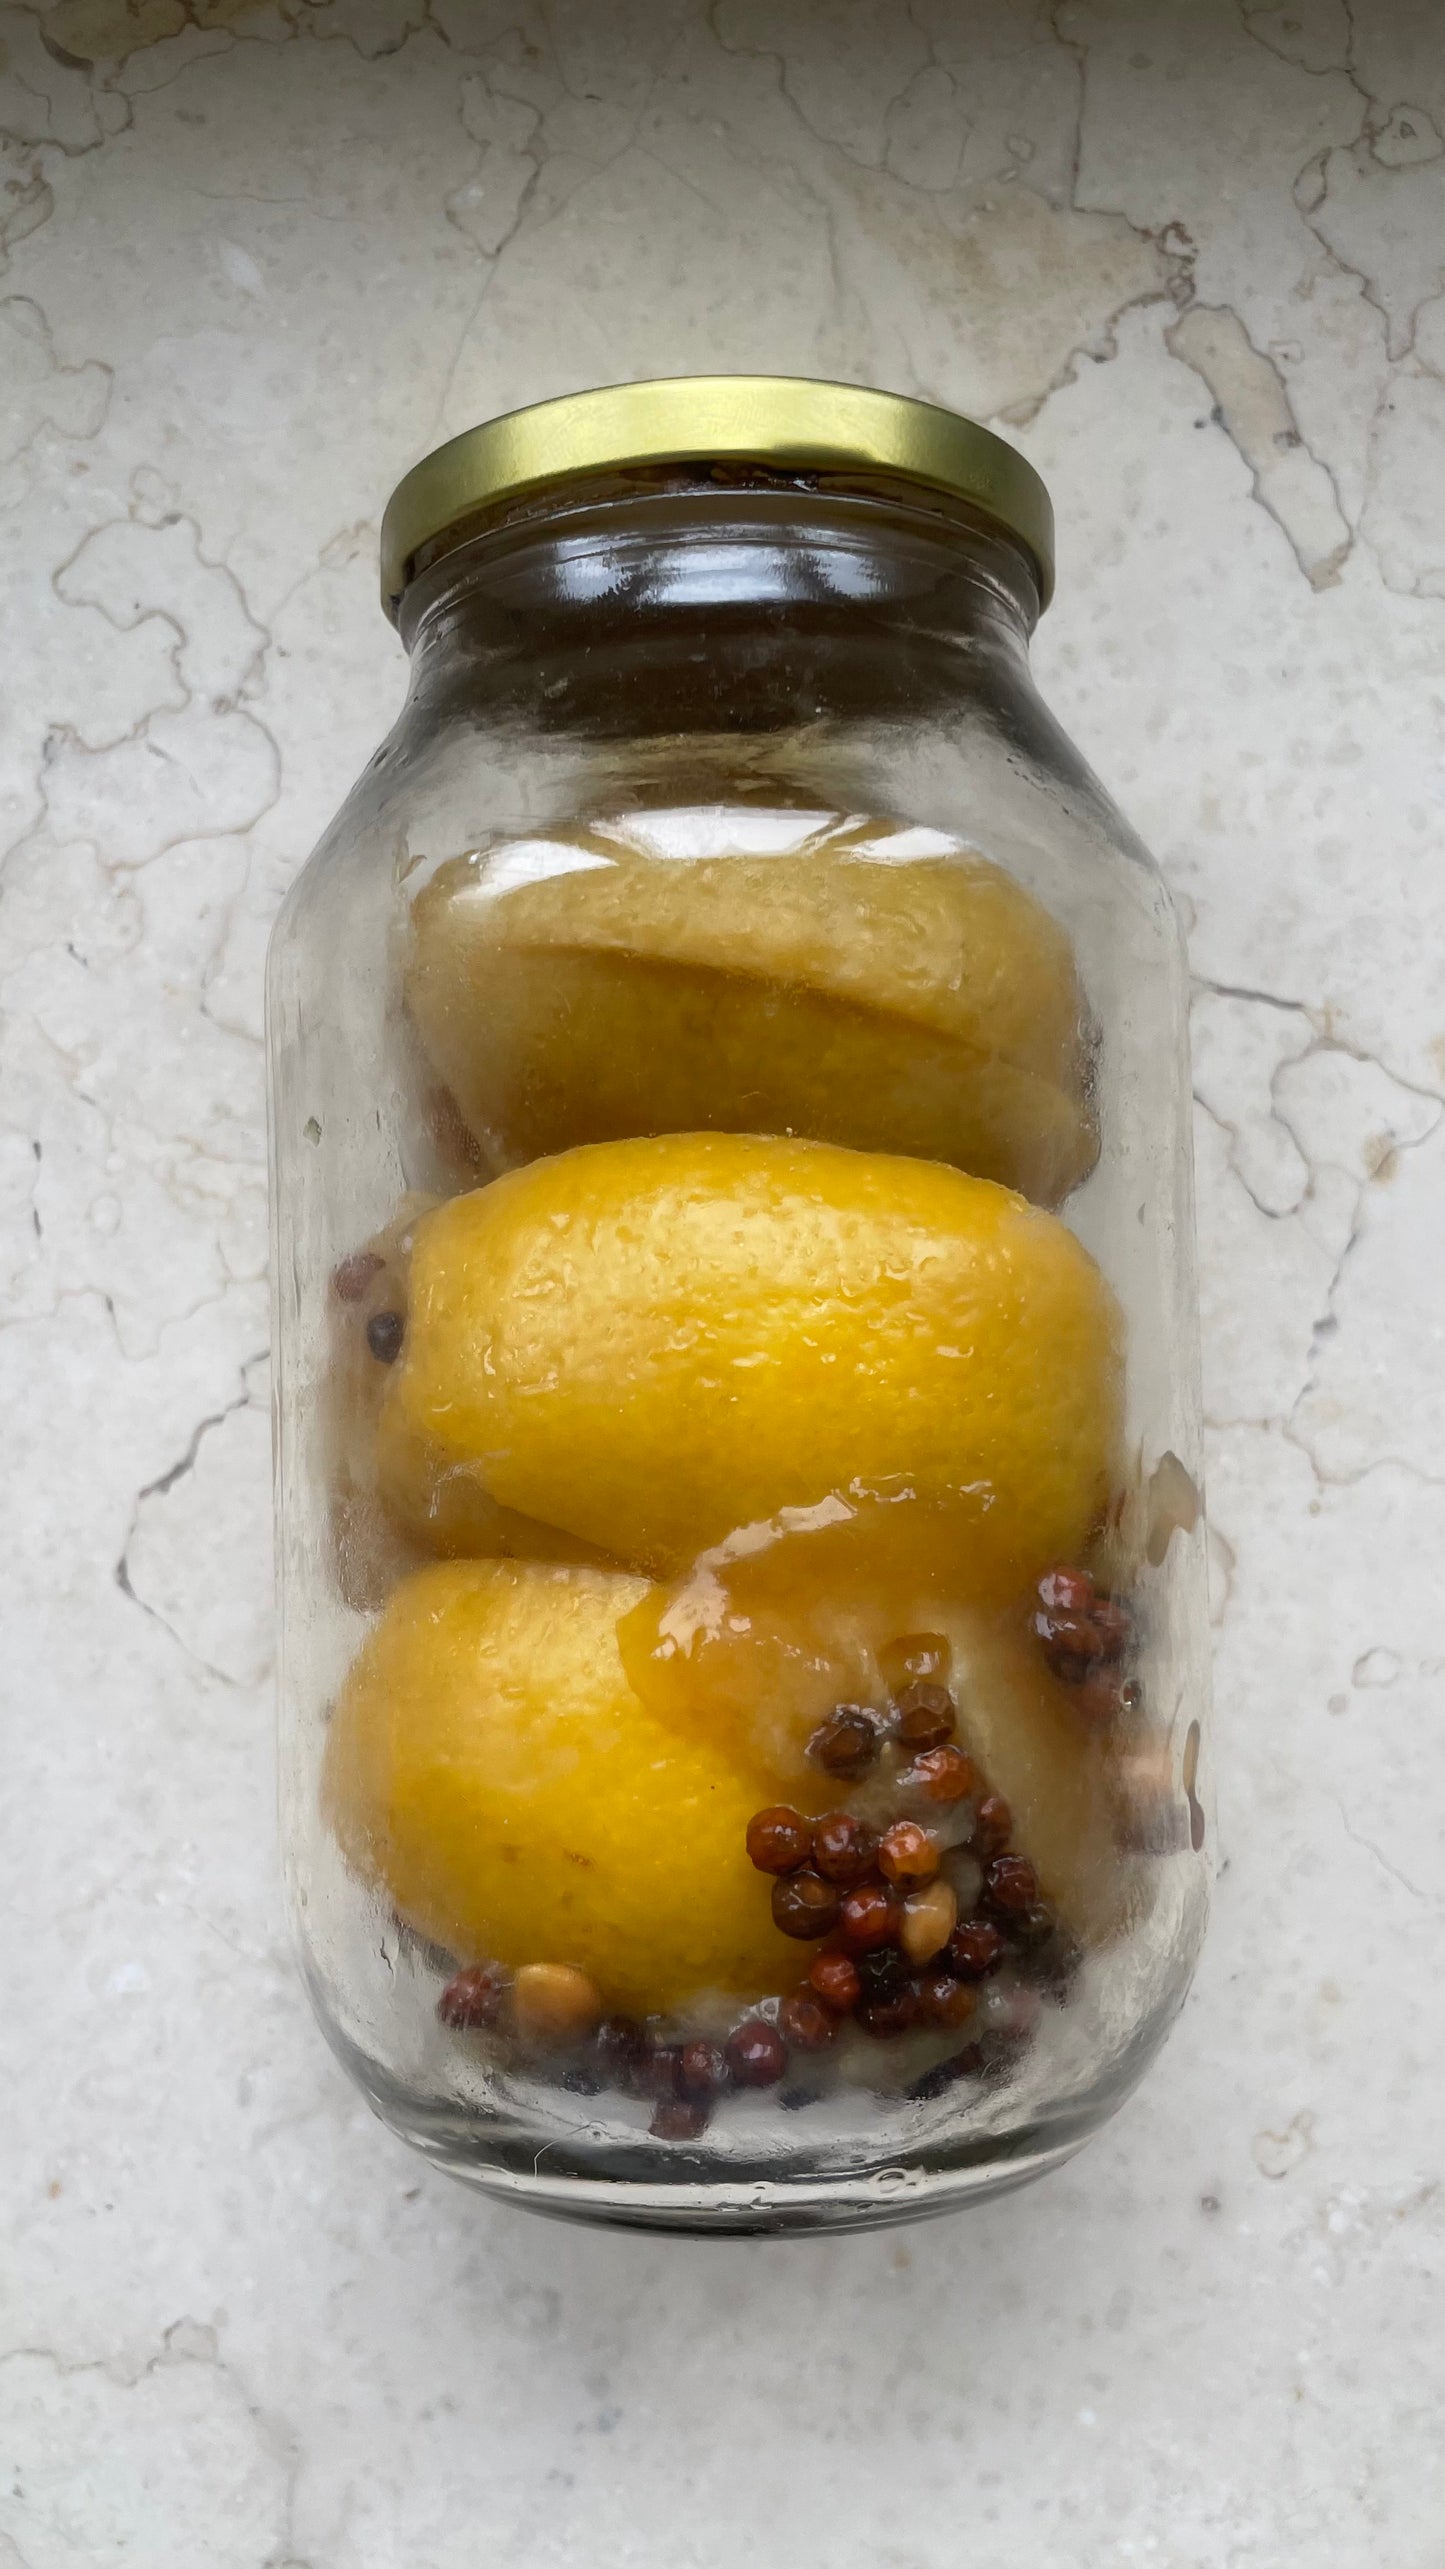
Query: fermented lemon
[
  {"x": 490, "y": 1769},
  {"x": 431, "y": 1503},
  {"x": 757, "y": 1645},
  {"x": 858, "y": 983},
  {"x": 651, "y": 1343}
]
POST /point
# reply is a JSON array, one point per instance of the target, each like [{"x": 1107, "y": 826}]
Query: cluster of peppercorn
[
  {"x": 352, "y": 1281},
  {"x": 553, "y": 2008},
  {"x": 1084, "y": 1633},
  {"x": 912, "y": 1916}
]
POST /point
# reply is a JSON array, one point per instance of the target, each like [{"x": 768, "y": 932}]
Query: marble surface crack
[
  {"x": 190, "y": 2342},
  {"x": 160, "y": 1488},
  {"x": 1385, "y": 1862},
  {"x": 1246, "y": 990}
]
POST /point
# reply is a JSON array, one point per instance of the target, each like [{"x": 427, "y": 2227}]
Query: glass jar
[{"x": 741, "y": 1566}]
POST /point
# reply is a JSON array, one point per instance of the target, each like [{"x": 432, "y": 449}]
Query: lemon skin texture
[
  {"x": 649, "y": 1344},
  {"x": 489, "y": 1770},
  {"x": 929, "y": 1007}
]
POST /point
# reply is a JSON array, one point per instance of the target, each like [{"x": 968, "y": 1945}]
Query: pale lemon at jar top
[{"x": 741, "y": 1562}]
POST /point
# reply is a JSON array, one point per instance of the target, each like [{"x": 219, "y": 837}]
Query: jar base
[
  {"x": 773, "y": 2210},
  {"x": 497, "y": 2157}
]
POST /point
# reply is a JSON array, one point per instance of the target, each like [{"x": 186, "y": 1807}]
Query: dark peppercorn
[
  {"x": 942, "y": 2000},
  {"x": 992, "y": 1826},
  {"x": 1031, "y": 1928},
  {"x": 846, "y": 1744},
  {"x": 702, "y": 2071},
  {"x": 1071, "y": 1667},
  {"x": 805, "y": 2023},
  {"x": 882, "y": 1976},
  {"x": 779, "y": 1839},
  {"x": 926, "y": 1716},
  {"x": 1011, "y": 1885},
  {"x": 477, "y": 1996},
  {"x": 974, "y": 1949},
  {"x": 942, "y": 1775},
  {"x": 385, "y": 1331},
  {"x": 870, "y": 1916},
  {"x": 679, "y": 2118},
  {"x": 804, "y": 1904},
  {"x": 1080, "y": 1626},
  {"x": 844, "y": 1848},
  {"x": 835, "y": 1980},
  {"x": 756, "y": 2054},
  {"x": 350, "y": 1280},
  {"x": 889, "y": 2017}
]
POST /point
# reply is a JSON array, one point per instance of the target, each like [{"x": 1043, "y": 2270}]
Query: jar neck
[{"x": 687, "y": 611}]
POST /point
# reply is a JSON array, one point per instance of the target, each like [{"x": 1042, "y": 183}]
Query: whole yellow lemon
[
  {"x": 760, "y": 972},
  {"x": 652, "y": 1343},
  {"x": 489, "y": 1767}
]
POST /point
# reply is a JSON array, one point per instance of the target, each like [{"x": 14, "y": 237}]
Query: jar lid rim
[{"x": 792, "y": 422}]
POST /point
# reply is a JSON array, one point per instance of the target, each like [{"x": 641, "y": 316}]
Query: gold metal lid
[{"x": 786, "y": 421}]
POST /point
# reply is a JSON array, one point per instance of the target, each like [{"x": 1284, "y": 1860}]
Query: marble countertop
[{"x": 1192, "y": 255}]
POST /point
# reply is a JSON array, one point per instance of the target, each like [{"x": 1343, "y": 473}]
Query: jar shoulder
[{"x": 990, "y": 768}]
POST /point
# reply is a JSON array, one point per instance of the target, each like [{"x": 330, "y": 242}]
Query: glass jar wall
[{"x": 741, "y": 1568}]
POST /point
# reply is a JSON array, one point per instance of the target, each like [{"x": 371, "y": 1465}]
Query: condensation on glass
[{"x": 741, "y": 1563}]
